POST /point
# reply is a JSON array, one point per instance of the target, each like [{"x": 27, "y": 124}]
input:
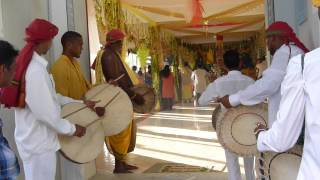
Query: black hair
[
  {"x": 247, "y": 61},
  {"x": 69, "y": 36},
  {"x": 165, "y": 72},
  {"x": 231, "y": 59},
  {"x": 7, "y": 54}
]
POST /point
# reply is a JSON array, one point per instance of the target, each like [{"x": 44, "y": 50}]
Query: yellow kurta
[
  {"x": 124, "y": 142},
  {"x": 68, "y": 78}
]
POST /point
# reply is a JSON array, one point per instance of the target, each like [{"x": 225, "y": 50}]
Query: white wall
[
  {"x": 81, "y": 26},
  {"x": 308, "y": 32},
  {"x": 58, "y": 16},
  {"x": 1, "y": 25}
]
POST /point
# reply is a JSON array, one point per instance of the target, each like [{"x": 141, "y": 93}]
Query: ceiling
[{"x": 234, "y": 19}]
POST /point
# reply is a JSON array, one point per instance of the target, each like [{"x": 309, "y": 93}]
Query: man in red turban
[
  {"x": 37, "y": 106},
  {"x": 283, "y": 45},
  {"x": 111, "y": 68}
]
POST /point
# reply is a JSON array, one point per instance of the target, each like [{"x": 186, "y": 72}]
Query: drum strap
[{"x": 300, "y": 140}]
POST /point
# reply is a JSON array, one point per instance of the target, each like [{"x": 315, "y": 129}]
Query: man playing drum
[
  {"x": 282, "y": 44},
  {"x": 228, "y": 84},
  {"x": 299, "y": 106},
  {"x": 70, "y": 82},
  {"x": 109, "y": 67},
  {"x": 37, "y": 106}
]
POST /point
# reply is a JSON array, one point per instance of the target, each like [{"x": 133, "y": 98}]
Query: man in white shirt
[
  {"x": 199, "y": 77},
  {"x": 282, "y": 44},
  {"x": 228, "y": 84},
  {"x": 37, "y": 114},
  {"x": 300, "y": 104}
]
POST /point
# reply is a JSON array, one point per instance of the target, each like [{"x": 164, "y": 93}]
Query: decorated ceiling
[{"x": 199, "y": 21}]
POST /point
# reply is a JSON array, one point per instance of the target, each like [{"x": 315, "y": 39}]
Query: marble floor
[{"x": 183, "y": 135}]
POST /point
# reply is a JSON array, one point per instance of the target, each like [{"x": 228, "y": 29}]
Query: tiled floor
[{"x": 183, "y": 135}]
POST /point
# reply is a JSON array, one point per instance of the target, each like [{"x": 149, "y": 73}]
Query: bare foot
[
  {"x": 119, "y": 171},
  {"x": 130, "y": 167}
]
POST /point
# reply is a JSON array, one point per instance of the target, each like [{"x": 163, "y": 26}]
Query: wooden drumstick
[
  {"x": 118, "y": 78},
  {"x": 105, "y": 106}
]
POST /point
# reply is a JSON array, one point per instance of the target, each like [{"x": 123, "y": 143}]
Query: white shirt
[
  {"x": 39, "y": 122},
  {"x": 228, "y": 84},
  {"x": 269, "y": 85},
  {"x": 199, "y": 77},
  {"x": 300, "y": 98}
]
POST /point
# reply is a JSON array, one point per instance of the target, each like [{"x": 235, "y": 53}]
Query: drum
[
  {"x": 279, "y": 166},
  {"x": 216, "y": 112},
  {"x": 149, "y": 96},
  {"x": 88, "y": 147},
  {"x": 118, "y": 112},
  {"x": 235, "y": 129}
]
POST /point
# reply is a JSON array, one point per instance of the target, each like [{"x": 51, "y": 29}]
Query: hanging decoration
[
  {"x": 143, "y": 53},
  {"x": 197, "y": 11},
  {"x": 210, "y": 59},
  {"x": 219, "y": 49}
]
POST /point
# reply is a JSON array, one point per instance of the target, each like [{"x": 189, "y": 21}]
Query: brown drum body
[
  {"x": 88, "y": 147},
  {"x": 279, "y": 166},
  {"x": 235, "y": 129},
  {"x": 149, "y": 96},
  {"x": 118, "y": 112}
]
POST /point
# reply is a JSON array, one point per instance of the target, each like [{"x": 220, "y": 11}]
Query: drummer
[
  {"x": 70, "y": 81},
  {"x": 282, "y": 44},
  {"x": 299, "y": 109},
  {"x": 37, "y": 113},
  {"x": 228, "y": 84},
  {"x": 110, "y": 66}
]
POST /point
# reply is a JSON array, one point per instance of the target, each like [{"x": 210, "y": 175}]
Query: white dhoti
[
  {"x": 74, "y": 171},
  {"x": 234, "y": 167},
  {"x": 40, "y": 167}
]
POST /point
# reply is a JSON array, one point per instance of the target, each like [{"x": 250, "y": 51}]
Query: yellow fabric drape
[
  {"x": 68, "y": 78},
  {"x": 99, "y": 73},
  {"x": 131, "y": 74},
  {"x": 120, "y": 143},
  {"x": 98, "y": 69}
]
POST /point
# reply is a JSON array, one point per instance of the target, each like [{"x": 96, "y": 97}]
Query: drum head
[
  {"x": 88, "y": 147},
  {"x": 282, "y": 164},
  {"x": 149, "y": 96},
  {"x": 119, "y": 111},
  {"x": 235, "y": 128},
  {"x": 279, "y": 166}
]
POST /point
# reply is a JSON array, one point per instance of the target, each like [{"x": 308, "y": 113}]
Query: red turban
[
  {"x": 283, "y": 29},
  {"x": 114, "y": 35},
  {"x": 37, "y": 32}
]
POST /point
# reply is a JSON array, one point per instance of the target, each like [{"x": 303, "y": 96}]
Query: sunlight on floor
[{"x": 183, "y": 135}]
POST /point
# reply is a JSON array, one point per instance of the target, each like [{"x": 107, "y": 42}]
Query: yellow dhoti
[{"x": 121, "y": 144}]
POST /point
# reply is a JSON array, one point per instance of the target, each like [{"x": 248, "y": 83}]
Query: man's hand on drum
[
  {"x": 260, "y": 127},
  {"x": 80, "y": 131},
  {"x": 91, "y": 104},
  {"x": 113, "y": 82},
  {"x": 225, "y": 101},
  {"x": 138, "y": 99}
]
